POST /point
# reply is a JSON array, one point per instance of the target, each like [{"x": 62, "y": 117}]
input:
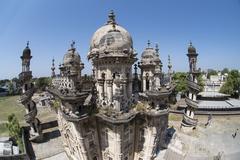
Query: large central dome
[{"x": 111, "y": 38}]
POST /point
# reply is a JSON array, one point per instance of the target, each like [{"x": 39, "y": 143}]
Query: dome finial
[
  {"x": 169, "y": 61},
  {"x": 27, "y": 44},
  {"x": 148, "y": 43},
  {"x": 53, "y": 68},
  {"x": 111, "y": 18},
  {"x": 190, "y": 43},
  {"x": 156, "y": 48},
  {"x": 72, "y": 44}
]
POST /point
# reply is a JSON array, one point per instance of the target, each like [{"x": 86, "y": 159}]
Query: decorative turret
[
  {"x": 75, "y": 102},
  {"x": 169, "y": 69},
  {"x": 26, "y": 98},
  {"x": 193, "y": 89},
  {"x": 26, "y": 57},
  {"x": 112, "y": 55},
  {"x": 151, "y": 68},
  {"x": 71, "y": 69},
  {"x": 53, "y": 68},
  {"x": 135, "y": 80}
]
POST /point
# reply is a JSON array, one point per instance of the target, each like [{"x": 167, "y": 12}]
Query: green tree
[
  {"x": 3, "y": 82},
  {"x": 180, "y": 80},
  {"x": 225, "y": 70},
  {"x": 10, "y": 88},
  {"x": 15, "y": 130},
  {"x": 232, "y": 84},
  {"x": 200, "y": 81},
  {"x": 211, "y": 72},
  {"x": 42, "y": 82}
]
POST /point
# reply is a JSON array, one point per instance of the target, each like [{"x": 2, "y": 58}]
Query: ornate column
[
  {"x": 101, "y": 89},
  {"x": 110, "y": 89},
  {"x": 144, "y": 83}
]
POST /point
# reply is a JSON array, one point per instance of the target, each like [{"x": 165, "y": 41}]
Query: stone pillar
[
  {"x": 101, "y": 89},
  {"x": 150, "y": 83},
  {"x": 144, "y": 84},
  {"x": 118, "y": 153},
  {"x": 130, "y": 88},
  {"x": 124, "y": 88},
  {"x": 110, "y": 89}
]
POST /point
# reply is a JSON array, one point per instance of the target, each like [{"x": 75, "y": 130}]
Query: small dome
[
  {"x": 72, "y": 62},
  {"x": 27, "y": 52},
  {"x": 111, "y": 38},
  {"x": 191, "y": 48},
  {"x": 149, "y": 53},
  {"x": 150, "y": 56},
  {"x": 71, "y": 57}
]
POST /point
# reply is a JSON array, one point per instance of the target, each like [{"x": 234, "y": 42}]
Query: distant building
[
  {"x": 7, "y": 148},
  {"x": 214, "y": 83},
  {"x": 3, "y": 91}
]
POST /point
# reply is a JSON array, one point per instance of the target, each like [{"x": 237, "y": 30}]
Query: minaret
[
  {"x": 169, "y": 69},
  {"x": 135, "y": 80},
  {"x": 193, "y": 89},
  {"x": 158, "y": 69},
  {"x": 26, "y": 98},
  {"x": 53, "y": 68},
  {"x": 148, "y": 44}
]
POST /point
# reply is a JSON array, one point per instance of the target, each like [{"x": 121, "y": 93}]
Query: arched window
[
  {"x": 147, "y": 82},
  {"x": 103, "y": 76},
  {"x": 113, "y": 75},
  {"x": 25, "y": 87}
]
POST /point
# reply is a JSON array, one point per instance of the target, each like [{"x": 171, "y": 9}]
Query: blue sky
[{"x": 50, "y": 25}]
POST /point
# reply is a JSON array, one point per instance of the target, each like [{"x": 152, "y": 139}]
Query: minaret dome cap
[{"x": 27, "y": 52}]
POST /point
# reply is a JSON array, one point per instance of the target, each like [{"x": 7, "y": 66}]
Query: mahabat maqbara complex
[{"x": 116, "y": 114}]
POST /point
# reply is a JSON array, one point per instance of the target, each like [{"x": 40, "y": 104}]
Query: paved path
[{"x": 60, "y": 156}]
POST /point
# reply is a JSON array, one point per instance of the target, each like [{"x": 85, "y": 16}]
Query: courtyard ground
[
  {"x": 215, "y": 141},
  {"x": 52, "y": 147}
]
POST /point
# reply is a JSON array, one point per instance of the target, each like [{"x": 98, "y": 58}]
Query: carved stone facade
[{"x": 106, "y": 122}]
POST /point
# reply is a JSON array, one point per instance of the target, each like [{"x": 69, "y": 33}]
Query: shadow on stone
[
  {"x": 169, "y": 135},
  {"x": 51, "y": 135}
]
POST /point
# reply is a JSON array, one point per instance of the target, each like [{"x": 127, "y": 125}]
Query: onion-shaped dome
[
  {"x": 111, "y": 38},
  {"x": 26, "y": 52},
  {"x": 191, "y": 49}
]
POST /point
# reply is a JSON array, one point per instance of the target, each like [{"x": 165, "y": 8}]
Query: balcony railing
[
  {"x": 30, "y": 116},
  {"x": 191, "y": 102},
  {"x": 193, "y": 85},
  {"x": 25, "y": 76},
  {"x": 189, "y": 121},
  {"x": 27, "y": 95}
]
